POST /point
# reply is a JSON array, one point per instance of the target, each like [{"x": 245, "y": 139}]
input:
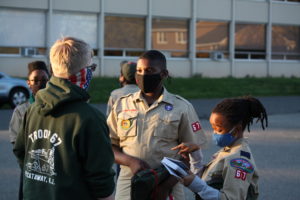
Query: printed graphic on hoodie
[{"x": 40, "y": 165}]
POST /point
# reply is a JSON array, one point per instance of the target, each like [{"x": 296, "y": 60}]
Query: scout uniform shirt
[
  {"x": 16, "y": 120},
  {"x": 117, "y": 93},
  {"x": 235, "y": 167},
  {"x": 149, "y": 133}
]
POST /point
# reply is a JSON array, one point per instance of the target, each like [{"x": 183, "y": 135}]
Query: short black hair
[
  {"x": 155, "y": 57},
  {"x": 243, "y": 109},
  {"x": 37, "y": 65}
]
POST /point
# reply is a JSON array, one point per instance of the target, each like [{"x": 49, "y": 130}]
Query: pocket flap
[{"x": 128, "y": 115}]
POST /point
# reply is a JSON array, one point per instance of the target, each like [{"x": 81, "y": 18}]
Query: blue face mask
[{"x": 223, "y": 140}]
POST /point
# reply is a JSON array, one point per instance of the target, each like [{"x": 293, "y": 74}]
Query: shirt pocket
[
  {"x": 127, "y": 122},
  {"x": 168, "y": 126}
]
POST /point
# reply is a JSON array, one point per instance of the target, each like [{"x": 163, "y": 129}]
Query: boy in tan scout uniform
[
  {"x": 127, "y": 80},
  {"x": 145, "y": 125},
  {"x": 232, "y": 173}
]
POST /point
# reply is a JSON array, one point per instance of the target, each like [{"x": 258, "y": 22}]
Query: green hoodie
[{"x": 63, "y": 146}]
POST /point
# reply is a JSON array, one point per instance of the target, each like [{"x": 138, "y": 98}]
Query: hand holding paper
[{"x": 175, "y": 167}]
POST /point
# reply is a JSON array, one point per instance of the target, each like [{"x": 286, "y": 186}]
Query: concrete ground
[{"x": 276, "y": 150}]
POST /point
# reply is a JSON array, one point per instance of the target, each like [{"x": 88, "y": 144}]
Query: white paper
[{"x": 175, "y": 167}]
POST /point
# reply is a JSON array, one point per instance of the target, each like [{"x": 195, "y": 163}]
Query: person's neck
[{"x": 153, "y": 96}]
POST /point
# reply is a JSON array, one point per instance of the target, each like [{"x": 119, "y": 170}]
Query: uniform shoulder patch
[
  {"x": 242, "y": 164},
  {"x": 246, "y": 154}
]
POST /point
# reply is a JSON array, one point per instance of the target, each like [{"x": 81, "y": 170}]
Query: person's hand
[
  {"x": 137, "y": 165},
  {"x": 185, "y": 148}
]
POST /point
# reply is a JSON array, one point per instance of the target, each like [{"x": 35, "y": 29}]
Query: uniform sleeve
[
  {"x": 97, "y": 157},
  {"x": 237, "y": 175},
  {"x": 19, "y": 146},
  {"x": 15, "y": 124},
  {"x": 109, "y": 105},
  {"x": 112, "y": 125},
  {"x": 190, "y": 129},
  {"x": 203, "y": 190},
  {"x": 196, "y": 161}
]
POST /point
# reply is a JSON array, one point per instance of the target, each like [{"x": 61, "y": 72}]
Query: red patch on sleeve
[
  {"x": 240, "y": 174},
  {"x": 196, "y": 126}
]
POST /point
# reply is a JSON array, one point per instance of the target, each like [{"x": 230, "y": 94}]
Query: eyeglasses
[
  {"x": 92, "y": 67},
  {"x": 36, "y": 81}
]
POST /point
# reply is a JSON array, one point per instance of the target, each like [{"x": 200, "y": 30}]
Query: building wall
[{"x": 48, "y": 20}]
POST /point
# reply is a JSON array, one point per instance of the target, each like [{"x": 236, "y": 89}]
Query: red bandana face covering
[{"x": 82, "y": 78}]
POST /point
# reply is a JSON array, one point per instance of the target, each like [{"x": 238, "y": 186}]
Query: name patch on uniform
[
  {"x": 125, "y": 124},
  {"x": 196, "y": 126},
  {"x": 168, "y": 107},
  {"x": 242, "y": 164},
  {"x": 240, "y": 174}
]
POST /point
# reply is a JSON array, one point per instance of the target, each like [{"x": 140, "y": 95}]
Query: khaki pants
[{"x": 124, "y": 186}]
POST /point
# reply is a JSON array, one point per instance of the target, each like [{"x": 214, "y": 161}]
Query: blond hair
[{"x": 69, "y": 55}]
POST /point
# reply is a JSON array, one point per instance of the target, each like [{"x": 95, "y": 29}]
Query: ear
[
  {"x": 239, "y": 130},
  {"x": 28, "y": 83},
  {"x": 121, "y": 78},
  {"x": 165, "y": 73}
]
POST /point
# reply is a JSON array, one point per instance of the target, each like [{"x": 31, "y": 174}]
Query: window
[
  {"x": 124, "y": 36},
  {"x": 170, "y": 36},
  {"x": 161, "y": 38},
  {"x": 212, "y": 39},
  {"x": 250, "y": 41},
  {"x": 10, "y": 50},
  {"x": 288, "y": 0},
  {"x": 181, "y": 38},
  {"x": 286, "y": 42}
]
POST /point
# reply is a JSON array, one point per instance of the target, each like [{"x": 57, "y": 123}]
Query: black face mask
[{"x": 148, "y": 82}]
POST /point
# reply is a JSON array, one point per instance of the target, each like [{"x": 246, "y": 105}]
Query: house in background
[{"x": 212, "y": 38}]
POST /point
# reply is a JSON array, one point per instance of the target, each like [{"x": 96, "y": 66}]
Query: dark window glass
[
  {"x": 124, "y": 32},
  {"x": 211, "y": 39},
  {"x": 170, "y": 36},
  {"x": 9, "y": 50},
  {"x": 286, "y": 42},
  {"x": 250, "y": 41}
]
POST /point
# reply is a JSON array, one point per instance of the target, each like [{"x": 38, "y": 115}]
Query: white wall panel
[
  {"x": 214, "y": 9},
  {"x": 250, "y": 68},
  {"x": 22, "y": 28},
  {"x": 82, "y": 26},
  {"x": 77, "y": 5},
  {"x": 286, "y": 69},
  {"x": 112, "y": 65},
  {"x": 209, "y": 68},
  {"x": 17, "y": 66},
  {"x": 36, "y": 4},
  {"x": 286, "y": 13},
  {"x": 179, "y": 67},
  {"x": 172, "y": 8},
  {"x": 252, "y": 11},
  {"x": 130, "y": 7}
]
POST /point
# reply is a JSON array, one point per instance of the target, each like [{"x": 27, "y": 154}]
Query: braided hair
[{"x": 244, "y": 110}]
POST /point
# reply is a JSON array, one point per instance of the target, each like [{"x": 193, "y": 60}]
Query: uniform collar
[
  {"x": 236, "y": 144},
  {"x": 130, "y": 86},
  {"x": 164, "y": 97}
]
